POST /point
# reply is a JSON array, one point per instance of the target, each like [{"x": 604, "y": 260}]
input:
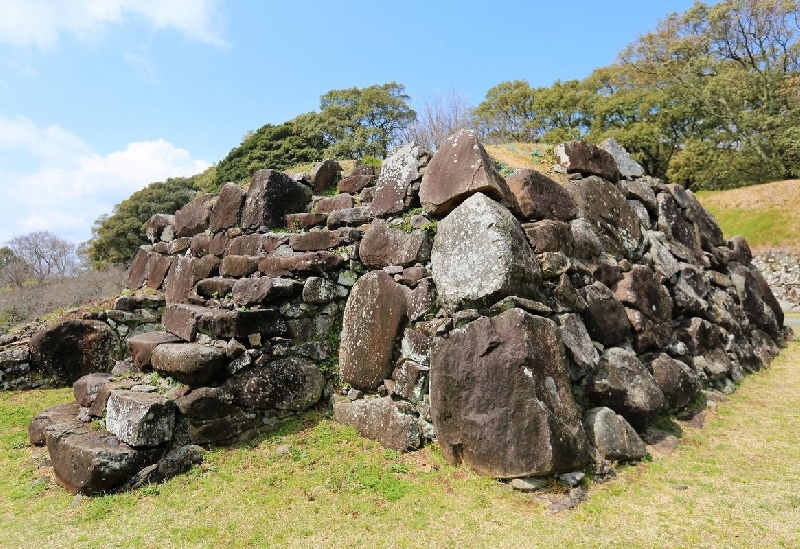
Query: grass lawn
[{"x": 731, "y": 484}]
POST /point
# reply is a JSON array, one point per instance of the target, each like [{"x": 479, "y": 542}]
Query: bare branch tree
[
  {"x": 45, "y": 254},
  {"x": 438, "y": 118}
]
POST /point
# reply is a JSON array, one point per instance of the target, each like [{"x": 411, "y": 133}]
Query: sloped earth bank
[
  {"x": 729, "y": 484},
  {"x": 534, "y": 330}
]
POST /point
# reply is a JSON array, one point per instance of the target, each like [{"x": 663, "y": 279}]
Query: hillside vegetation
[{"x": 764, "y": 214}]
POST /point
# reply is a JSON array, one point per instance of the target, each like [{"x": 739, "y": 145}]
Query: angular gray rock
[
  {"x": 605, "y": 317},
  {"x": 325, "y": 174},
  {"x": 679, "y": 383},
  {"x": 580, "y": 349},
  {"x": 613, "y": 437},
  {"x": 227, "y": 211},
  {"x": 86, "y": 388},
  {"x": 649, "y": 307},
  {"x": 141, "y": 347},
  {"x": 501, "y": 399},
  {"x": 140, "y": 419},
  {"x": 195, "y": 216},
  {"x": 372, "y": 319},
  {"x": 480, "y": 255},
  {"x": 628, "y": 167}
]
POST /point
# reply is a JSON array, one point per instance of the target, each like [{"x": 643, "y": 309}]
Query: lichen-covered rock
[
  {"x": 613, "y": 219},
  {"x": 287, "y": 384},
  {"x": 175, "y": 463},
  {"x": 586, "y": 159},
  {"x": 180, "y": 280},
  {"x": 383, "y": 246},
  {"x": 160, "y": 227},
  {"x": 189, "y": 363},
  {"x": 372, "y": 319},
  {"x": 501, "y": 398},
  {"x": 459, "y": 169},
  {"x": 329, "y": 204},
  {"x": 264, "y": 290},
  {"x": 622, "y": 383},
  {"x": 379, "y": 419},
  {"x": 74, "y": 348},
  {"x": 140, "y": 419},
  {"x": 480, "y": 255},
  {"x": 271, "y": 196},
  {"x": 613, "y": 437},
  {"x": 539, "y": 197},
  {"x": 394, "y": 191},
  {"x": 628, "y": 167}
]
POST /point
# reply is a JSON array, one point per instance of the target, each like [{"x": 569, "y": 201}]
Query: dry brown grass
[
  {"x": 778, "y": 195},
  {"x": 521, "y": 155}
]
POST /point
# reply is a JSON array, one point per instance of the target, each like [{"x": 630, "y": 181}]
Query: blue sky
[{"x": 98, "y": 98}]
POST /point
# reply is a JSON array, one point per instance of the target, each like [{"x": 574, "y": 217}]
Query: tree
[
  {"x": 357, "y": 122},
  {"x": 440, "y": 117},
  {"x": 277, "y": 147},
  {"x": 42, "y": 254},
  {"x": 710, "y": 80},
  {"x": 508, "y": 113},
  {"x": 116, "y": 238}
]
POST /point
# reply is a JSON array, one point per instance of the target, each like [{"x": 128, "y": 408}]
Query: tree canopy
[{"x": 116, "y": 238}]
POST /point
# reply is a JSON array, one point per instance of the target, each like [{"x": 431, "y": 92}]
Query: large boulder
[
  {"x": 189, "y": 363},
  {"x": 586, "y": 159},
  {"x": 383, "y": 246},
  {"x": 381, "y": 420},
  {"x": 622, "y": 383},
  {"x": 195, "y": 216},
  {"x": 227, "y": 211},
  {"x": 272, "y": 195},
  {"x": 539, "y": 197},
  {"x": 141, "y": 347},
  {"x": 324, "y": 175},
  {"x": 91, "y": 462},
  {"x": 287, "y": 384},
  {"x": 501, "y": 398},
  {"x": 611, "y": 216},
  {"x": 396, "y": 189},
  {"x": 372, "y": 319},
  {"x": 480, "y": 255},
  {"x": 460, "y": 168},
  {"x": 679, "y": 383},
  {"x": 72, "y": 349},
  {"x": 186, "y": 321},
  {"x": 579, "y": 346},
  {"x": 86, "y": 388}
]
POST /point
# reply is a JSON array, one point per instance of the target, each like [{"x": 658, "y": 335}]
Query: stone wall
[{"x": 530, "y": 328}]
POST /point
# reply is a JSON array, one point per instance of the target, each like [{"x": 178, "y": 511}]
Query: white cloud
[
  {"x": 73, "y": 185},
  {"x": 41, "y": 23}
]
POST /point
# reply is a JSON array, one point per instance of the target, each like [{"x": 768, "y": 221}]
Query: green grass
[
  {"x": 335, "y": 489},
  {"x": 761, "y": 228}
]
